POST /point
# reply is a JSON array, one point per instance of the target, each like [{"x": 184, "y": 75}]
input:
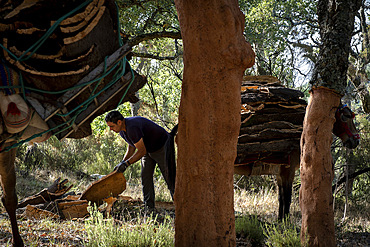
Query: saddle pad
[
  {"x": 15, "y": 112},
  {"x": 8, "y": 78}
]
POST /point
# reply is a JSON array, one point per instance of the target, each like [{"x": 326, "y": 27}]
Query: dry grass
[
  {"x": 45, "y": 232},
  {"x": 263, "y": 203},
  {"x": 50, "y": 232}
]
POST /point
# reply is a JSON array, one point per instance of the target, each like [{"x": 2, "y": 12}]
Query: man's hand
[{"x": 122, "y": 166}]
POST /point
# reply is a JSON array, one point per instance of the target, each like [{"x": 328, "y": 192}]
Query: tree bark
[
  {"x": 357, "y": 70},
  {"x": 315, "y": 197},
  {"x": 215, "y": 57},
  {"x": 336, "y": 19}
]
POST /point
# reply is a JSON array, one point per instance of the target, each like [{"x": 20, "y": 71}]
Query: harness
[{"x": 343, "y": 125}]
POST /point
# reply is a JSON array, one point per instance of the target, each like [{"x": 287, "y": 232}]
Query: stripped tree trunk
[
  {"x": 215, "y": 57},
  {"x": 315, "y": 195}
]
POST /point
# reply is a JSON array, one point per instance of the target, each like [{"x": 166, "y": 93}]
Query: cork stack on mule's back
[
  {"x": 272, "y": 123},
  {"x": 63, "y": 64}
]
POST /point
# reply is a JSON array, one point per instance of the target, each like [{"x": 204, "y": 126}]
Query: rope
[
  {"x": 83, "y": 106},
  {"x": 33, "y": 48},
  {"x": 128, "y": 87},
  {"x": 92, "y": 97}
]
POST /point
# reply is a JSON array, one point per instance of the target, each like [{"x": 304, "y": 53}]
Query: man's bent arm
[
  {"x": 140, "y": 151},
  {"x": 129, "y": 152}
]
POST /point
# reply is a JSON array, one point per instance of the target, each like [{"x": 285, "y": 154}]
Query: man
[{"x": 150, "y": 143}]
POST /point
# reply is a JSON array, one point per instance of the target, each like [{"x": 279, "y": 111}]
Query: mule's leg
[
  {"x": 9, "y": 199},
  {"x": 285, "y": 183},
  {"x": 280, "y": 196}
]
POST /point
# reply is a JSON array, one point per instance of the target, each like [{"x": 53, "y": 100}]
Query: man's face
[{"x": 115, "y": 127}]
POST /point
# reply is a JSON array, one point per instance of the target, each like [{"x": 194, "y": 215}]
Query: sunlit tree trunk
[
  {"x": 315, "y": 197},
  {"x": 215, "y": 57}
]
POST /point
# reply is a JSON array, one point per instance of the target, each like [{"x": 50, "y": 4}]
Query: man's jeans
[{"x": 148, "y": 163}]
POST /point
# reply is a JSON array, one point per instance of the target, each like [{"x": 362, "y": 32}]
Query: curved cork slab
[{"x": 112, "y": 184}]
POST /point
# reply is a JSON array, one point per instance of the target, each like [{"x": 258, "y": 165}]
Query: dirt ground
[{"x": 71, "y": 233}]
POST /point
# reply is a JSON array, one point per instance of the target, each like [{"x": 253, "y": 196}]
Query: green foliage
[
  {"x": 161, "y": 97},
  {"x": 89, "y": 155},
  {"x": 248, "y": 226},
  {"x": 284, "y": 234},
  {"x": 98, "y": 126},
  {"x": 147, "y": 16},
  {"x": 144, "y": 232},
  {"x": 152, "y": 28},
  {"x": 281, "y": 34},
  {"x": 358, "y": 159}
]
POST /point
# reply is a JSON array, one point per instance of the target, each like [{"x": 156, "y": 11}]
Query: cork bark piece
[
  {"x": 74, "y": 209},
  {"x": 81, "y": 16},
  {"x": 88, "y": 14},
  {"x": 88, "y": 29},
  {"x": 112, "y": 184},
  {"x": 35, "y": 213}
]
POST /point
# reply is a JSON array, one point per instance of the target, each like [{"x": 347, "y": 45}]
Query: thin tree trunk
[
  {"x": 336, "y": 19},
  {"x": 215, "y": 57},
  {"x": 315, "y": 197}
]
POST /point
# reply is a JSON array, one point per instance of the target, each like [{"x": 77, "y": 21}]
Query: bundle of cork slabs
[{"x": 272, "y": 123}]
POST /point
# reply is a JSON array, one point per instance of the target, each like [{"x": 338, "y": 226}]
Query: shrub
[
  {"x": 250, "y": 227},
  {"x": 285, "y": 234}
]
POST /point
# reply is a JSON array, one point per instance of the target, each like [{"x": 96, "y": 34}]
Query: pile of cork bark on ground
[
  {"x": 272, "y": 120},
  {"x": 57, "y": 202}
]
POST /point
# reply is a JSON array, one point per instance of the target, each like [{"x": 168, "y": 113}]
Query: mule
[
  {"x": 344, "y": 128},
  {"x": 9, "y": 198}
]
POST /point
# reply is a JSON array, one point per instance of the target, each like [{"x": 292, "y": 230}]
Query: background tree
[
  {"x": 152, "y": 29},
  {"x": 336, "y": 19},
  {"x": 282, "y": 34},
  {"x": 359, "y": 61}
]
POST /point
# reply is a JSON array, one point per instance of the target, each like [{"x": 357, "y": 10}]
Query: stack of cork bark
[
  {"x": 272, "y": 120},
  {"x": 59, "y": 47}
]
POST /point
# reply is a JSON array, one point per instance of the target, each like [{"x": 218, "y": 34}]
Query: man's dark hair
[{"x": 113, "y": 117}]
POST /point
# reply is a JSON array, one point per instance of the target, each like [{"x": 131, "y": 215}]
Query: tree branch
[
  {"x": 152, "y": 56},
  {"x": 350, "y": 176},
  {"x": 366, "y": 42},
  {"x": 156, "y": 35},
  {"x": 131, "y": 3},
  {"x": 177, "y": 74}
]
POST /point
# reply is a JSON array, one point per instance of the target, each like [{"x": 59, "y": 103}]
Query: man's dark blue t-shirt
[{"x": 154, "y": 136}]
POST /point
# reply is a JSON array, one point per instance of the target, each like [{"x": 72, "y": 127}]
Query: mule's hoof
[{"x": 18, "y": 243}]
